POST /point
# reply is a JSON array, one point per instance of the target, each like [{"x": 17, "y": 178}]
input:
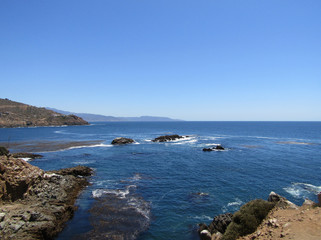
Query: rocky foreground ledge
[
  {"x": 276, "y": 218},
  {"x": 35, "y": 204}
]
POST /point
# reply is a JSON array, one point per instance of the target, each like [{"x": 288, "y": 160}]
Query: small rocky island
[
  {"x": 122, "y": 141},
  {"x": 15, "y": 114},
  {"x": 167, "y": 138},
  {"x": 35, "y": 204},
  {"x": 216, "y": 148}
]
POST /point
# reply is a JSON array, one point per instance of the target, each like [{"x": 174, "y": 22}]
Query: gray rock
[
  {"x": 220, "y": 223},
  {"x": 122, "y": 140},
  {"x": 167, "y": 138}
]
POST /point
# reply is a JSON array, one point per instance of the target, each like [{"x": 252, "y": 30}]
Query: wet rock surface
[
  {"x": 216, "y": 148},
  {"x": 167, "y": 138},
  {"x": 122, "y": 140},
  {"x": 35, "y": 204},
  {"x": 26, "y": 155}
]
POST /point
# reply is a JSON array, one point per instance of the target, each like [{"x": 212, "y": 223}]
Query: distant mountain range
[{"x": 102, "y": 118}]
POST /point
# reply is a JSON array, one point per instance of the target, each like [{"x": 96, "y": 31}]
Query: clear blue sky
[{"x": 192, "y": 60}]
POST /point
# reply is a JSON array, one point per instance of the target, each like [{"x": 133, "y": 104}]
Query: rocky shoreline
[
  {"x": 35, "y": 204},
  {"x": 276, "y": 218}
]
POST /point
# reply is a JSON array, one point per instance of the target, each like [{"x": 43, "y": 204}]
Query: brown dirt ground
[{"x": 303, "y": 223}]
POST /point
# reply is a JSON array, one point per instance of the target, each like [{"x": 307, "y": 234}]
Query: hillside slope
[
  {"x": 102, "y": 118},
  {"x": 15, "y": 114}
]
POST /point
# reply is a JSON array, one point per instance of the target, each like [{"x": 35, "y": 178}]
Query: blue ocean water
[{"x": 175, "y": 185}]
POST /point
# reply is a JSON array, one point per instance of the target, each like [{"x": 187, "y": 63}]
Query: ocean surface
[{"x": 163, "y": 190}]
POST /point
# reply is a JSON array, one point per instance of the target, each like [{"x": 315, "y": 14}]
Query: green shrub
[
  {"x": 247, "y": 219},
  {"x": 4, "y": 151}
]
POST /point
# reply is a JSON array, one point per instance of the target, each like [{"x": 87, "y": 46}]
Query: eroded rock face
[
  {"x": 220, "y": 223},
  {"x": 16, "y": 178},
  {"x": 167, "y": 138},
  {"x": 121, "y": 140},
  {"x": 35, "y": 204}
]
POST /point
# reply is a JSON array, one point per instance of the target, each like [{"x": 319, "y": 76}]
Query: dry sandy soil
[{"x": 302, "y": 223}]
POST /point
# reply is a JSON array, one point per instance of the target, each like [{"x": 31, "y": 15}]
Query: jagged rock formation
[
  {"x": 15, "y": 114},
  {"x": 216, "y": 148},
  {"x": 167, "y": 138},
  {"x": 35, "y": 204},
  {"x": 122, "y": 140}
]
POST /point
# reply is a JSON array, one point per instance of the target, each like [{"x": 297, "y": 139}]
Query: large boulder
[
  {"x": 167, "y": 138},
  {"x": 122, "y": 140},
  {"x": 16, "y": 177},
  {"x": 220, "y": 223}
]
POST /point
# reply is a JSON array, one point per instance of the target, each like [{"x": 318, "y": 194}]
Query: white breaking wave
[
  {"x": 232, "y": 206},
  {"x": 26, "y": 159},
  {"x": 84, "y": 162},
  {"x": 140, "y": 206},
  {"x": 203, "y": 218},
  {"x": 184, "y": 138},
  {"x": 212, "y": 144},
  {"x": 302, "y": 190},
  {"x": 186, "y": 142},
  {"x": 77, "y": 147},
  {"x": 118, "y": 192},
  {"x": 237, "y": 202},
  {"x": 90, "y": 146}
]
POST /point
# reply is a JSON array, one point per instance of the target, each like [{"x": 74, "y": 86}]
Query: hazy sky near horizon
[{"x": 191, "y": 60}]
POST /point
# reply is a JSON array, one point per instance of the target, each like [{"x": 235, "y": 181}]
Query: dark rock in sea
[
  {"x": 218, "y": 147},
  {"x": 220, "y": 223},
  {"x": 216, "y": 228},
  {"x": 4, "y": 151},
  {"x": 122, "y": 140},
  {"x": 36, "y": 204},
  {"x": 74, "y": 171},
  {"x": 26, "y": 155},
  {"x": 166, "y": 138}
]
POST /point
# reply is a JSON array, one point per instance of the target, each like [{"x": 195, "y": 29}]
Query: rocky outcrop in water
[
  {"x": 26, "y": 155},
  {"x": 15, "y": 114},
  {"x": 216, "y": 148},
  {"x": 35, "y": 204},
  {"x": 122, "y": 140},
  {"x": 217, "y": 227},
  {"x": 167, "y": 138}
]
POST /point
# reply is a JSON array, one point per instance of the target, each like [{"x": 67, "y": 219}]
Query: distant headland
[
  {"x": 102, "y": 118},
  {"x": 15, "y": 114}
]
